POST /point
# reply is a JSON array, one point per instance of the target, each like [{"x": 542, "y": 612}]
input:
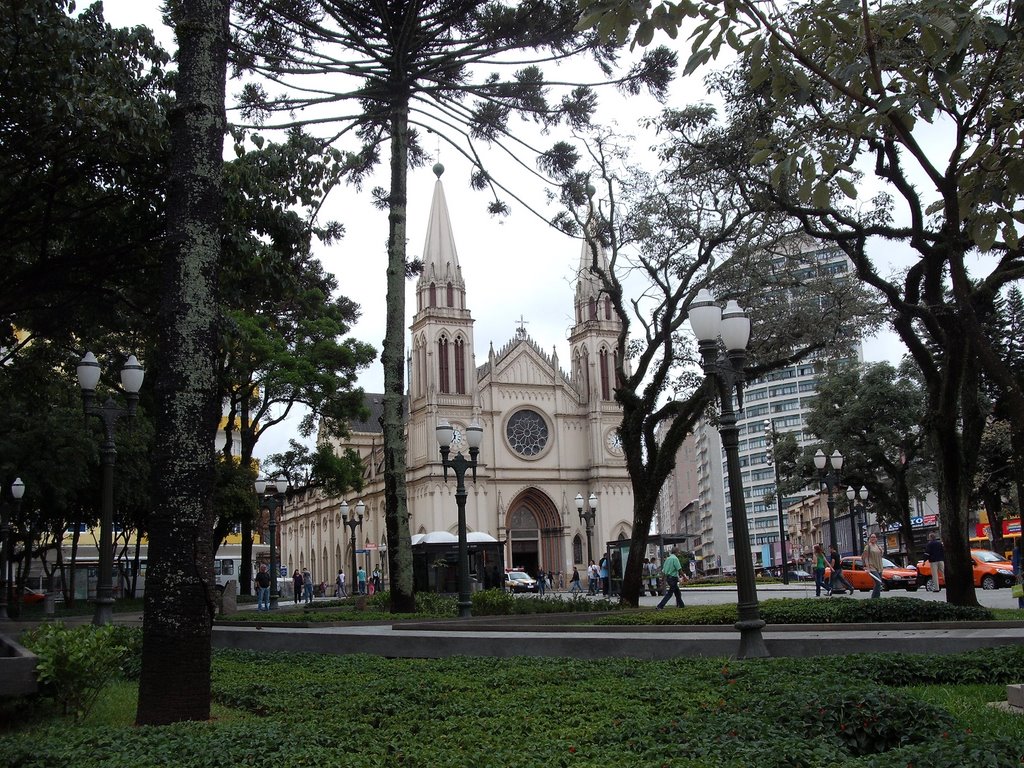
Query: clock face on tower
[
  {"x": 459, "y": 444},
  {"x": 614, "y": 442}
]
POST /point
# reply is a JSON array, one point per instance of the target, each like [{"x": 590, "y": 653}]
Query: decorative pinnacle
[{"x": 438, "y": 170}]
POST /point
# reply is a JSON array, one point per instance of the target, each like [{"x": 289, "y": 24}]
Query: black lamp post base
[
  {"x": 104, "y": 612},
  {"x": 752, "y": 645},
  {"x": 465, "y": 608}
]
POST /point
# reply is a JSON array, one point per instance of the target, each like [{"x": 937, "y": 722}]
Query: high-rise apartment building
[{"x": 783, "y": 398}]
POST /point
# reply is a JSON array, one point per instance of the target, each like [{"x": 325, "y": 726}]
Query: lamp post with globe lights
[
  {"x": 109, "y": 413},
  {"x": 771, "y": 438},
  {"x": 855, "y": 497},
  {"x": 474, "y": 437},
  {"x": 731, "y": 327},
  {"x": 830, "y": 479},
  {"x": 587, "y": 516},
  {"x": 272, "y": 501},
  {"x": 353, "y": 523},
  {"x": 6, "y": 561}
]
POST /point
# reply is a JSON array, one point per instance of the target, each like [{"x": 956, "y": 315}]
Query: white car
[{"x": 520, "y": 581}]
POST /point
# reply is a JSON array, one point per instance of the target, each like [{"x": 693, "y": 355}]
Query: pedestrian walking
[
  {"x": 651, "y": 576},
  {"x": 936, "y": 559},
  {"x": 361, "y": 580},
  {"x": 540, "y": 582},
  {"x": 604, "y": 573},
  {"x": 340, "y": 581},
  {"x": 263, "y": 589},
  {"x": 819, "y": 571},
  {"x": 575, "y": 588},
  {"x": 297, "y": 586},
  {"x": 307, "y": 586},
  {"x": 593, "y": 578},
  {"x": 670, "y": 569},
  {"x": 376, "y": 579},
  {"x": 837, "y": 573},
  {"x": 872, "y": 559}
]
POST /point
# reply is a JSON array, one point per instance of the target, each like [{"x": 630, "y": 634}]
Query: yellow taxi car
[
  {"x": 991, "y": 571},
  {"x": 893, "y": 576}
]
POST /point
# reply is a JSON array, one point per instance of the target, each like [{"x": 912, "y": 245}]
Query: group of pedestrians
[{"x": 871, "y": 558}]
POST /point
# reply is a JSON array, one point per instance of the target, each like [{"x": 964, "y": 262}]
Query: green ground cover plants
[{"x": 870, "y": 711}]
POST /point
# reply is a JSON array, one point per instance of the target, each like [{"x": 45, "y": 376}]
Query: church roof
[
  {"x": 510, "y": 347},
  {"x": 374, "y": 404}
]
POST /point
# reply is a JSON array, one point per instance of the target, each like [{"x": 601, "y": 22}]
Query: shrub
[
  {"x": 74, "y": 663},
  {"x": 812, "y": 611},
  {"x": 497, "y": 602}
]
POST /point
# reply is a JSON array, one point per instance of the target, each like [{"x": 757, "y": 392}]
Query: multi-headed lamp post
[
  {"x": 6, "y": 561},
  {"x": 109, "y": 413},
  {"x": 272, "y": 502},
  {"x": 353, "y": 523},
  {"x": 771, "y": 438},
  {"x": 856, "y": 496},
  {"x": 587, "y": 517},
  {"x": 710, "y": 323},
  {"x": 829, "y": 478},
  {"x": 474, "y": 437}
]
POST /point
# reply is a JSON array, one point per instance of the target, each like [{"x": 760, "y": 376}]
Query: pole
[
  {"x": 725, "y": 372},
  {"x": 465, "y": 599},
  {"x": 275, "y": 568},
  {"x": 105, "y": 586},
  {"x": 5, "y": 560},
  {"x": 770, "y": 426}
]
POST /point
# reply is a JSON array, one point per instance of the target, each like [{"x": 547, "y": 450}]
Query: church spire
[{"x": 441, "y": 270}]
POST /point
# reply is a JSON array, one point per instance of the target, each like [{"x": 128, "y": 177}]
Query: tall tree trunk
[
  {"x": 180, "y": 590},
  {"x": 393, "y": 359}
]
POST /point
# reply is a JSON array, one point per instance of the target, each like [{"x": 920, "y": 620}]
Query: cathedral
[{"x": 548, "y": 436}]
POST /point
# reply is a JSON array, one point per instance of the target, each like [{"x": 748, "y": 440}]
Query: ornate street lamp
[
  {"x": 830, "y": 478},
  {"x": 109, "y": 414},
  {"x": 6, "y": 561},
  {"x": 587, "y": 517},
  {"x": 771, "y": 437},
  {"x": 352, "y": 524},
  {"x": 709, "y": 324},
  {"x": 855, "y": 497},
  {"x": 474, "y": 437},
  {"x": 272, "y": 502}
]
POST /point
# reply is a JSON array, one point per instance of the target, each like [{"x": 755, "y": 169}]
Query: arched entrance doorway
[{"x": 534, "y": 533}]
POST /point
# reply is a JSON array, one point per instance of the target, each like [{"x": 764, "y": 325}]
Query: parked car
[
  {"x": 520, "y": 581},
  {"x": 893, "y": 576},
  {"x": 32, "y": 596},
  {"x": 991, "y": 571},
  {"x": 799, "y": 575}
]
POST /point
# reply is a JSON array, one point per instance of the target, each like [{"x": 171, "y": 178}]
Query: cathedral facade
[{"x": 548, "y": 435}]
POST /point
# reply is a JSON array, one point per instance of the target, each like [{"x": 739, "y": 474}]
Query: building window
[
  {"x": 605, "y": 388},
  {"x": 451, "y": 295},
  {"x": 442, "y": 366},
  {"x": 607, "y": 308},
  {"x": 433, "y": 295},
  {"x": 592, "y": 308},
  {"x": 527, "y": 432},
  {"x": 577, "y": 549},
  {"x": 460, "y": 367}
]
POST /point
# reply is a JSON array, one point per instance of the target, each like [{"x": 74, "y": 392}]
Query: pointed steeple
[
  {"x": 588, "y": 285},
  {"x": 440, "y": 259}
]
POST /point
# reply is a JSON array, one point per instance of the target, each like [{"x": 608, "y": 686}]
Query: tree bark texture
[
  {"x": 393, "y": 359},
  {"x": 180, "y": 590}
]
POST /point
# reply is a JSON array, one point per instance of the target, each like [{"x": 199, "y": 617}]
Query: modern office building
[{"x": 782, "y": 398}]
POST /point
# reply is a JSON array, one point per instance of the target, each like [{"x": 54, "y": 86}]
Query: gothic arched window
[
  {"x": 592, "y": 308},
  {"x": 577, "y": 549},
  {"x": 444, "y": 384},
  {"x": 451, "y": 295},
  {"x": 605, "y": 388},
  {"x": 433, "y": 295},
  {"x": 460, "y": 367}
]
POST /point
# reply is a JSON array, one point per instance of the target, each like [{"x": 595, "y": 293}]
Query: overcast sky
[{"x": 514, "y": 266}]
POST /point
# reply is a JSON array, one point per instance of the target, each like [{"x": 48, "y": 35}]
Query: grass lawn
[{"x": 286, "y": 710}]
